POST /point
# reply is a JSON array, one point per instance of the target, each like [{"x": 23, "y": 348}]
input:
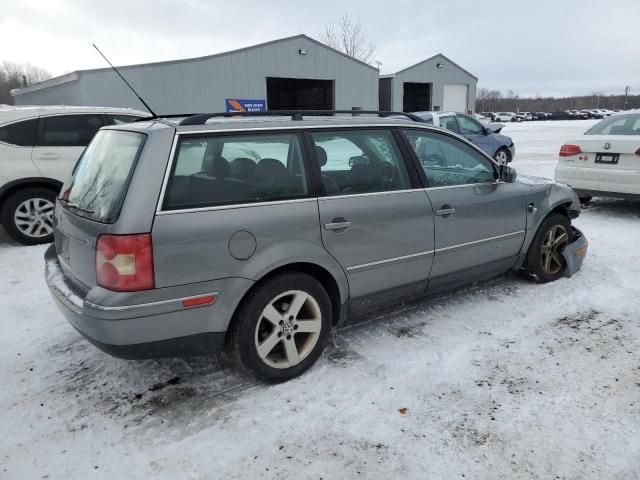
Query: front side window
[
  {"x": 469, "y": 126},
  {"x": 21, "y": 134},
  {"x": 360, "y": 161},
  {"x": 226, "y": 170},
  {"x": 447, "y": 161},
  {"x": 69, "y": 130},
  {"x": 449, "y": 122},
  {"x": 101, "y": 177}
]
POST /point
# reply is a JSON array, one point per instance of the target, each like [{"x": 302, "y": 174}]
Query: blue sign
[{"x": 239, "y": 105}]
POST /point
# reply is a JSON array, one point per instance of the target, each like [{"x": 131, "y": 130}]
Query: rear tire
[
  {"x": 27, "y": 215},
  {"x": 281, "y": 328},
  {"x": 544, "y": 261}
]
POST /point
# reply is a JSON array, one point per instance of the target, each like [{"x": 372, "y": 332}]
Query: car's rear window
[
  {"x": 617, "y": 125},
  {"x": 101, "y": 176}
]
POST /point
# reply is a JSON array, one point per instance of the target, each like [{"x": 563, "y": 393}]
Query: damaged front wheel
[{"x": 545, "y": 262}]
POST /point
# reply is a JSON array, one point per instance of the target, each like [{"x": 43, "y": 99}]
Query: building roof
[
  {"x": 69, "y": 77},
  {"x": 428, "y": 60}
]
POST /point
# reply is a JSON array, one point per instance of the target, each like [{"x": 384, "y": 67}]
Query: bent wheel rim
[
  {"x": 34, "y": 217},
  {"x": 551, "y": 256},
  {"x": 288, "y": 329}
]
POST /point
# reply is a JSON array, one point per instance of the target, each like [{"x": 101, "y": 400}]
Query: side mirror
[
  {"x": 507, "y": 174},
  {"x": 487, "y": 131}
]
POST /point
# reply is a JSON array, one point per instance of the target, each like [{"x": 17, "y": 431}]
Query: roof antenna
[{"x": 125, "y": 81}]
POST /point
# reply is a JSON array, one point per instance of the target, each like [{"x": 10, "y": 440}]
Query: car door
[
  {"x": 375, "y": 218},
  {"x": 479, "y": 221},
  {"x": 61, "y": 140},
  {"x": 473, "y": 131}
]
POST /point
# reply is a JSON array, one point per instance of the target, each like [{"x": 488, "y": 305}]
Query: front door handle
[
  {"x": 338, "y": 224},
  {"x": 446, "y": 211},
  {"x": 47, "y": 156}
]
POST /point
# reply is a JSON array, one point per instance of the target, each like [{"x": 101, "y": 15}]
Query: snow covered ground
[{"x": 506, "y": 379}]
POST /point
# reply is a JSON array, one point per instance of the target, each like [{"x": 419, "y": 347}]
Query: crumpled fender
[{"x": 575, "y": 252}]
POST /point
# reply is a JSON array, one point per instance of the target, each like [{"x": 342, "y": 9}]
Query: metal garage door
[{"x": 455, "y": 98}]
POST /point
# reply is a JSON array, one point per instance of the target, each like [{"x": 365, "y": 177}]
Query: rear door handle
[
  {"x": 47, "y": 156},
  {"x": 337, "y": 224},
  {"x": 446, "y": 211}
]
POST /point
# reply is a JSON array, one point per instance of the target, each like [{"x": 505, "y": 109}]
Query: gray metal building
[
  {"x": 293, "y": 72},
  {"x": 436, "y": 83}
]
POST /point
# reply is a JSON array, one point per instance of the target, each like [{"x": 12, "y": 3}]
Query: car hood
[{"x": 495, "y": 127}]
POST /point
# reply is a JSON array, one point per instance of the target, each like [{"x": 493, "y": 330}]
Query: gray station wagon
[{"x": 259, "y": 235}]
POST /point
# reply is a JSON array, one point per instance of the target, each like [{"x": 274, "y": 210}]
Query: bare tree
[
  {"x": 17, "y": 75},
  {"x": 347, "y": 35}
]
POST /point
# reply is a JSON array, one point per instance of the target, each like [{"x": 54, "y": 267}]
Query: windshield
[
  {"x": 101, "y": 176},
  {"x": 617, "y": 125}
]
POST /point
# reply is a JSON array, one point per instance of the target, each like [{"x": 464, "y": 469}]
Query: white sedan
[{"x": 605, "y": 160}]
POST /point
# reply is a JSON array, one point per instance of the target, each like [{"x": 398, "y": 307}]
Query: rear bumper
[
  {"x": 575, "y": 252},
  {"x": 589, "y": 181},
  {"x": 141, "y": 328}
]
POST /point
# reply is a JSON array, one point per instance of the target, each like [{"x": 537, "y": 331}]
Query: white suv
[
  {"x": 506, "y": 117},
  {"x": 38, "y": 148}
]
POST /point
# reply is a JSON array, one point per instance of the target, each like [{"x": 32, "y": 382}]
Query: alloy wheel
[
  {"x": 556, "y": 237},
  {"x": 501, "y": 157},
  {"x": 34, "y": 217},
  {"x": 288, "y": 329}
]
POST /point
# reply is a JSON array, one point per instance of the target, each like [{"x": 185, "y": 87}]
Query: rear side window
[
  {"x": 449, "y": 123},
  {"x": 101, "y": 177},
  {"x": 213, "y": 171},
  {"x": 69, "y": 130},
  {"x": 22, "y": 134}
]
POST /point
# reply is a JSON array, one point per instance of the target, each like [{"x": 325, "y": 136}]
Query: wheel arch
[
  {"x": 14, "y": 186},
  {"x": 320, "y": 273}
]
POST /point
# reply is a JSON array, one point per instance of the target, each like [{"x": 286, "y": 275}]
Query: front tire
[
  {"x": 502, "y": 156},
  {"x": 544, "y": 261},
  {"x": 27, "y": 215},
  {"x": 281, "y": 328}
]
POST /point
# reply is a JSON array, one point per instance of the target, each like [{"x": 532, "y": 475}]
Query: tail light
[
  {"x": 569, "y": 150},
  {"x": 124, "y": 263},
  {"x": 638, "y": 152}
]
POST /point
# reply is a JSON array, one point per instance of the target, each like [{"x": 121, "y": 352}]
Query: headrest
[
  {"x": 243, "y": 168},
  {"x": 321, "y": 155},
  {"x": 218, "y": 168},
  {"x": 270, "y": 168},
  {"x": 358, "y": 160}
]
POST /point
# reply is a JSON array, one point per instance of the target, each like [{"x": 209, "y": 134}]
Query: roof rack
[{"x": 201, "y": 118}]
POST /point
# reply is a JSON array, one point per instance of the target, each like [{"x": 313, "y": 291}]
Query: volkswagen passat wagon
[{"x": 261, "y": 235}]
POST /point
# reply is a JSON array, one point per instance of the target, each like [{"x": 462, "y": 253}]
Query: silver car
[{"x": 260, "y": 235}]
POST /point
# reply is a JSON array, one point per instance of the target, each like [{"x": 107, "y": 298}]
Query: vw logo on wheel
[{"x": 607, "y": 146}]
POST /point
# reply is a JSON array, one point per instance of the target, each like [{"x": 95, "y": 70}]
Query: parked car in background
[
  {"x": 605, "y": 161},
  {"x": 506, "y": 117},
  {"x": 489, "y": 115},
  {"x": 593, "y": 113},
  {"x": 538, "y": 116},
  {"x": 166, "y": 245},
  {"x": 485, "y": 137},
  {"x": 525, "y": 116},
  {"x": 38, "y": 148},
  {"x": 561, "y": 115}
]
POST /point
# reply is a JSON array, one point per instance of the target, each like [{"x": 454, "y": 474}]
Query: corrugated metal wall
[
  {"x": 199, "y": 85},
  {"x": 428, "y": 72}
]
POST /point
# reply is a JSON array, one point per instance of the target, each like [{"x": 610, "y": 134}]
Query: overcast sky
[{"x": 550, "y": 47}]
